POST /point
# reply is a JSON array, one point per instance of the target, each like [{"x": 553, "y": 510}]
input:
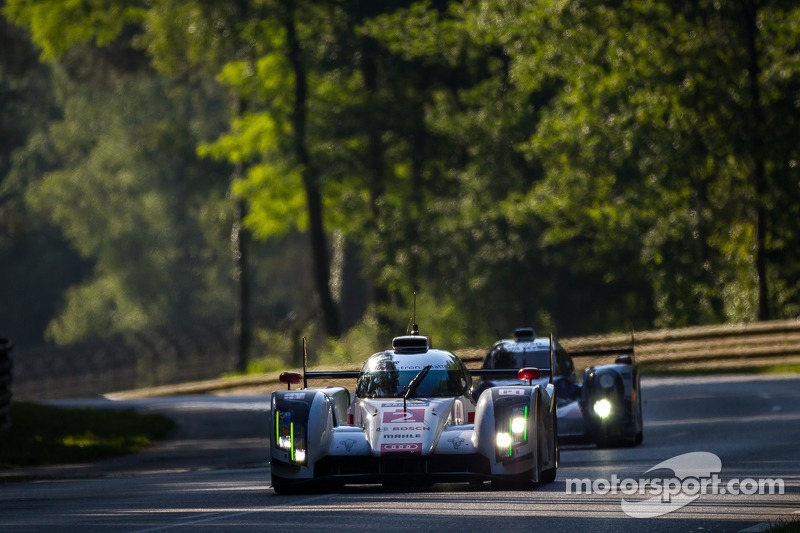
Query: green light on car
[{"x": 291, "y": 440}]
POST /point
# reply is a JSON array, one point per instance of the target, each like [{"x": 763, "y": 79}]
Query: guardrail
[
  {"x": 157, "y": 356},
  {"x": 731, "y": 347},
  {"x": 5, "y": 383},
  {"x": 713, "y": 347}
]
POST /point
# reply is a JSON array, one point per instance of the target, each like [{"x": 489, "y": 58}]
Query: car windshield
[
  {"x": 394, "y": 383},
  {"x": 506, "y": 359}
]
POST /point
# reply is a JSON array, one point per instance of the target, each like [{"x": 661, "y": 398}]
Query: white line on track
[{"x": 222, "y": 516}]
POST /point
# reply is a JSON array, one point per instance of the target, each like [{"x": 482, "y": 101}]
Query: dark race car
[{"x": 606, "y": 408}]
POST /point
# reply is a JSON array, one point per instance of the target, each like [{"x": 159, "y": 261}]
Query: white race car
[{"x": 412, "y": 421}]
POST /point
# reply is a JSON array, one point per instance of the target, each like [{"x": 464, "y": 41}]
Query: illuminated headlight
[
  {"x": 503, "y": 440},
  {"x": 512, "y": 432},
  {"x": 283, "y": 430},
  {"x": 290, "y": 437},
  {"x": 602, "y": 408}
]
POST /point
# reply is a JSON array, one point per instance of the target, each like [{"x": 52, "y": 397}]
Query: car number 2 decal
[{"x": 399, "y": 415}]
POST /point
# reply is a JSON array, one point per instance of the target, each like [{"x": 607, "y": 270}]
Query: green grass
[{"x": 46, "y": 435}]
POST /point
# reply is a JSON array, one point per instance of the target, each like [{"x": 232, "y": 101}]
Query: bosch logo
[{"x": 410, "y": 428}]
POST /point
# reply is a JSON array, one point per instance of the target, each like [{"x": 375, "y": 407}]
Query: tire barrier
[{"x": 5, "y": 383}]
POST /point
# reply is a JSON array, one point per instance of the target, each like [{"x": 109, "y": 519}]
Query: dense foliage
[{"x": 578, "y": 166}]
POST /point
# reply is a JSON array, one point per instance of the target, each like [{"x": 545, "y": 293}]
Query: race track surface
[{"x": 214, "y": 475}]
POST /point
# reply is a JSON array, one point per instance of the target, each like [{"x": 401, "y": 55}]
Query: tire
[
  {"x": 549, "y": 475},
  {"x": 639, "y": 434},
  {"x": 281, "y": 485}
]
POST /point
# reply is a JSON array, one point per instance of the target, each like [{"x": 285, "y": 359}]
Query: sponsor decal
[
  {"x": 456, "y": 442},
  {"x": 402, "y": 447},
  {"x": 348, "y": 444},
  {"x": 402, "y": 436},
  {"x": 410, "y": 428},
  {"x": 294, "y": 396},
  {"x": 412, "y": 401},
  {"x": 511, "y": 392},
  {"x": 440, "y": 366},
  {"x": 399, "y": 415}
]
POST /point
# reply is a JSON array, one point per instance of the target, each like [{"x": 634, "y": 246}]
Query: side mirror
[
  {"x": 624, "y": 360},
  {"x": 529, "y": 374},
  {"x": 290, "y": 378}
]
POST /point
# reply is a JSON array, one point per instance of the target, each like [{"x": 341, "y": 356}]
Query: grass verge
[{"x": 46, "y": 435}]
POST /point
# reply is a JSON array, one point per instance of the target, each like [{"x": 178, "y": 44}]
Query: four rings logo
[
  {"x": 693, "y": 474},
  {"x": 402, "y": 447}
]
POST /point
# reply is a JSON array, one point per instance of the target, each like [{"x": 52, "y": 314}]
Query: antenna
[
  {"x": 305, "y": 364},
  {"x": 414, "y": 327}
]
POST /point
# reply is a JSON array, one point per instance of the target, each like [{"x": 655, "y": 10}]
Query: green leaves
[
  {"x": 518, "y": 160},
  {"x": 58, "y": 25}
]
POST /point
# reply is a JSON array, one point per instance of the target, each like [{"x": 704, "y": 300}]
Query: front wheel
[
  {"x": 549, "y": 475},
  {"x": 639, "y": 417},
  {"x": 281, "y": 485}
]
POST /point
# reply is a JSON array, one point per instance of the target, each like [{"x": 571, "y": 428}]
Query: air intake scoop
[
  {"x": 524, "y": 334},
  {"x": 410, "y": 344}
]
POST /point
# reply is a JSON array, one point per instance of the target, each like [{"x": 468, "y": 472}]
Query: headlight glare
[
  {"x": 517, "y": 425},
  {"x": 503, "y": 440},
  {"x": 290, "y": 437},
  {"x": 602, "y": 408}
]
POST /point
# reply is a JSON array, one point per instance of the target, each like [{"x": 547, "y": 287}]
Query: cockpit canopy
[{"x": 387, "y": 375}]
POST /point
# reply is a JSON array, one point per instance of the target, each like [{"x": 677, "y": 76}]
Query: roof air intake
[
  {"x": 410, "y": 344},
  {"x": 524, "y": 334}
]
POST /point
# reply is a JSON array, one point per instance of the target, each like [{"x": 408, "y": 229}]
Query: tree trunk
[
  {"x": 759, "y": 173},
  {"x": 319, "y": 250},
  {"x": 377, "y": 180},
  {"x": 240, "y": 246}
]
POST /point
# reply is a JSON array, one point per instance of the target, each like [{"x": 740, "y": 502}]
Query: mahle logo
[{"x": 694, "y": 474}]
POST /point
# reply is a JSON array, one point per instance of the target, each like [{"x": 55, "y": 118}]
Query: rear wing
[
  {"x": 503, "y": 372},
  {"x": 336, "y": 374},
  {"x": 510, "y": 372}
]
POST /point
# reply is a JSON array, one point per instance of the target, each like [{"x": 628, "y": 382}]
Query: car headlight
[
  {"x": 518, "y": 425},
  {"x": 503, "y": 440},
  {"x": 290, "y": 437},
  {"x": 513, "y": 432},
  {"x": 602, "y": 408}
]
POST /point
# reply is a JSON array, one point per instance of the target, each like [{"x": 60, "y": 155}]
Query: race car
[
  {"x": 413, "y": 421},
  {"x": 606, "y": 409}
]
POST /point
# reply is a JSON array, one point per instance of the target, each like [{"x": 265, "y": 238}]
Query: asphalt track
[{"x": 214, "y": 476}]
